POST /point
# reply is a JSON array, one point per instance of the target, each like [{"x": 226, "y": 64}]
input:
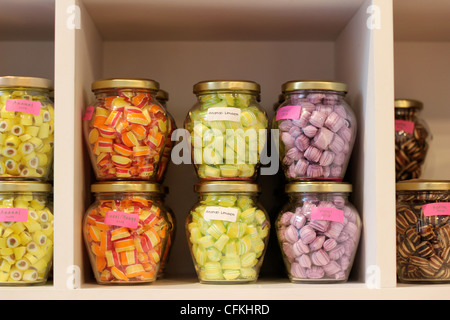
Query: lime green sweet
[
  {"x": 228, "y": 250},
  {"x": 228, "y": 148}
]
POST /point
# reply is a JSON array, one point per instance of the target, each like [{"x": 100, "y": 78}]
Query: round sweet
[{"x": 227, "y": 251}]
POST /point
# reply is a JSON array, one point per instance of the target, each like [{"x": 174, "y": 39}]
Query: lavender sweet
[
  {"x": 317, "y": 130},
  {"x": 318, "y": 232}
]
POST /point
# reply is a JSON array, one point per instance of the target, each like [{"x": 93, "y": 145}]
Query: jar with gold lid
[
  {"x": 27, "y": 123},
  {"x": 125, "y": 232},
  {"x": 423, "y": 231},
  {"x": 412, "y": 137},
  {"x": 125, "y": 129}
]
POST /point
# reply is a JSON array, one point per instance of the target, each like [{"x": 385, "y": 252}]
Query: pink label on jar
[
  {"x": 88, "y": 113},
  {"x": 326, "y": 213},
  {"x": 26, "y": 106},
  {"x": 404, "y": 125},
  {"x": 13, "y": 214},
  {"x": 436, "y": 209},
  {"x": 122, "y": 219},
  {"x": 289, "y": 112}
]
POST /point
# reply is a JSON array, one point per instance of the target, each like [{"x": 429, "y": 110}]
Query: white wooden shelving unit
[{"x": 179, "y": 43}]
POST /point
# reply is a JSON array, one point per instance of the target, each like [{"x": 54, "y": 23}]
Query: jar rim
[
  {"x": 408, "y": 103},
  {"x": 162, "y": 95},
  {"x": 24, "y": 186},
  {"x": 125, "y": 83},
  {"x": 126, "y": 186},
  {"x": 227, "y": 186},
  {"x": 318, "y": 186},
  {"x": 313, "y": 85},
  {"x": 28, "y": 82},
  {"x": 423, "y": 185},
  {"x": 214, "y": 85}
]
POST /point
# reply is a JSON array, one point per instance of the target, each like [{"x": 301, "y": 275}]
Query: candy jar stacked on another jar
[
  {"x": 319, "y": 229},
  {"x": 26, "y": 210},
  {"x": 412, "y": 137},
  {"x": 126, "y": 228},
  {"x": 227, "y": 230},
  {"x": 126, "y": 231}
]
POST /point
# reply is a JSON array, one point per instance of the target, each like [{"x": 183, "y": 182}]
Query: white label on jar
[
  {"x": 224, "y": 114},
  {"x": 221, "y": 213}
]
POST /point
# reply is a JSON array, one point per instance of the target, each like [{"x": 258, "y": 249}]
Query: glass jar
[
  {"x": 423, "y": 231},
  {"x": 228, "y": 130},
  {"x": 126, "y": 129},
  {"x": 125, "y": 232},
  {"x": 317, "y": 130},
  {"x": 27, "y": 123},
  {"x": 227, "y": 232},
  {"x": 162, "y": 96},
  {"x": 172, "y": 230},
  {"x": 412, "y": 136},
  {"x": 318, "y": 232},
  {"x": 26, "y": 233}
]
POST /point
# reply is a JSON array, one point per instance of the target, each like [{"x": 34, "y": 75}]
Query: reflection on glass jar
[
  {"x": 318, "y": 232},
  {"x": 125, "y": 232},
  {"x": 228, "y": 130},
  {"x": 317, "y": 130},
  {"x": 423, "y": 231},
  {"x": 411, "y": 139},
  {"x": 227, "y": 232},
  {"x": 27, "y": 123},
  {"x": 125, "y": 129},
  {"x": 26, "y": 233}
]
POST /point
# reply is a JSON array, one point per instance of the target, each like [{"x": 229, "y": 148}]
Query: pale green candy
[
  {"x": 248, "y": 215},
  {"x": 196, "y": 234},
  {"x": 229, "y": 170},
  {"x": 209, "y": 98},
  {"x": 230, "y": 249},
  {"x": 218, "y": 125},
  {"x": 221, "y": 242},
  {"x": 227, "y": 201},
  {"x": 243, "y": 100},
  {"x": 248, "y": 273},
  {"x": 257, "y": 245},
  {"x": 210, "y": 200},
  {"x": 244, "y": 245},
  {"x": 216, "y": 229},
  {"x": 200, "y": 256},
  {"x": 252, "y": 231},
  {"x": 212, "y": 270},
  {"x": 244, "y": 202},
  {"x": 231, "y": 274},
  {"x": 198, "y": 157},
  {"x": 206, "y": 241},
  {"x": 249, "y": 260},
  {"x": 199, "y": 129},
  {"x": 228, "y": 263},
  {"x": 246, "y": 170},
  {"x": 236, "y": 229},
  {"x": 248, "y": 118},
  {"x": 213, "y": 254},
  {"x": 263, "y": 232},
  {"x": 211, "y": 156},
  {"x": 233, "y": 125},
  {"x": 211, "y": 172},
  {"x": 228, "y": 98},
  {"x": 260, "y": 216},
  {"x": 220, "y": 104},
  {"x": 192, "y": 225}
]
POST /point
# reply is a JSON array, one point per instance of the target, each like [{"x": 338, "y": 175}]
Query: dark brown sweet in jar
[{"x": 425, "y": 250}]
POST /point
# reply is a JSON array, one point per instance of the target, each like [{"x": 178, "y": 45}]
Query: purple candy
[
  {"x": 304, "y": 260},
  {"x": 332, "y": 268},
  {"x": 287, "y": 139},
  {"x": 326, "y": 159},
  {"x": 298, "y": 271},
  {"x": 323, "y": 138},
  {"x": 334, "y": 122},
  {"x": 315, "y": 272},
  {"x": 299, "y": 248},
  {"x": 298, "y": 220},
  {"x": 302, "y": 142},
  {"x": 285, "y": 125},
  {"x": 307, "y": 234},
  {"x": 317, "y": 243},
  {"x": 312, "y": 154},
  {"x": 310, "y": 131},
  {"x": 320, "y": 257},
  {"x": 317, "y": 119},
  {"x": 314, "y": 171},
  {"x": 291, "y": 234},
  {"x": 329, "y": 244},
  {"x": 294, "y": 154},
  {"x": 315, "y": 97}
]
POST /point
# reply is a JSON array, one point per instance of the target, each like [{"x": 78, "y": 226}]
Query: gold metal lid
[
  {"x": 162, "y": 95},
  {"x": 26, "y": 82},
  {"x": 24, "y": 186},
  {"x": 227, "y": 186},
  {"x": 313, "y": 85},
  {"x": 318, "y": 187},
  {"x": 213, "y": 85},
  {"x": 408, "y": 103},
  {"x": 125, "y": 83},
  {"x": 126, "y": 186},
  {"x": 419, "y": 184}
]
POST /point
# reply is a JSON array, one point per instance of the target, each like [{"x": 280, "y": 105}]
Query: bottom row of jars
[{"x": 129, "y": 232}]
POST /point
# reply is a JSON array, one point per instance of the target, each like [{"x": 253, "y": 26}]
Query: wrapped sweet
[
  {"x": 228, "y": 130},
  {"x": 227, "y": 232},
  {"x": 26, "y": 233},
  {"x": 27, "y": 123},
  {"x": 126, "y": 129}
]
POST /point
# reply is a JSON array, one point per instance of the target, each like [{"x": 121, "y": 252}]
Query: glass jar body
[
  {"x": 126, "y": 134},
  {"x": 125, "y": 235},
  {"x": 230, "y": 248},
  {"x": 318, "y": 234},
  {"x": 228, "y": 131},
  {"x": 317, "y": 130},
  {"x": 26, "y": 238},
  {"x": 423, "y": 233},
  {"x": 26, "y": 136},
  {"x": 412, "y": 137}
]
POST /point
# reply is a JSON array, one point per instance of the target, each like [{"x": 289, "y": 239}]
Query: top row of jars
[{"x": 127, "y": 130}]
